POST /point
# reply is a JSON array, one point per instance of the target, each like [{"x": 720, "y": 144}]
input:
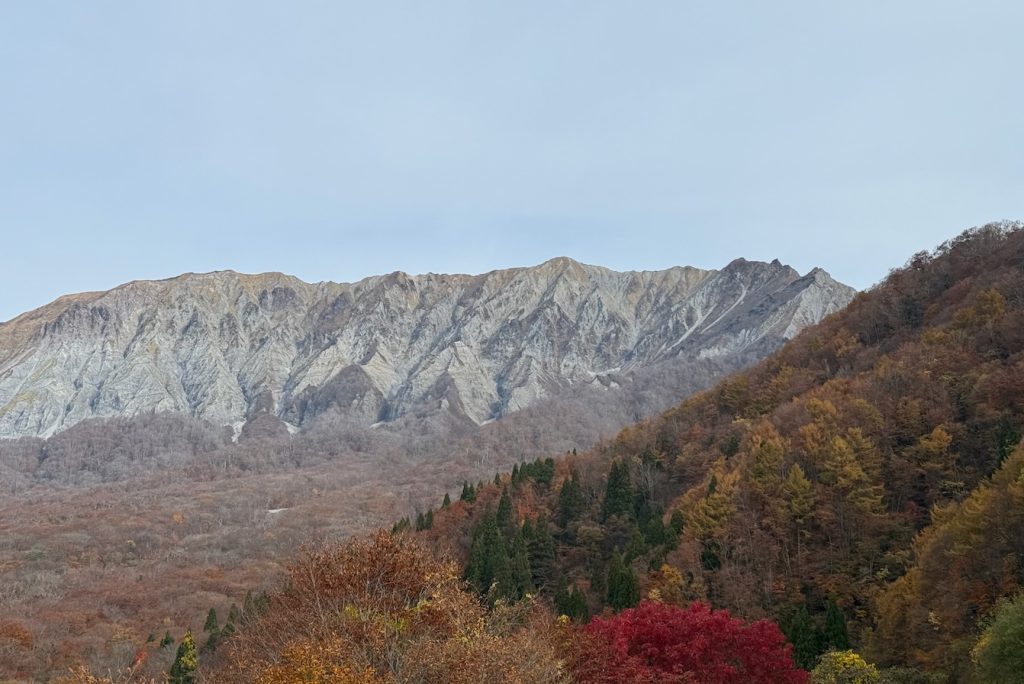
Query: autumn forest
[{"x": 850, "y": 509}]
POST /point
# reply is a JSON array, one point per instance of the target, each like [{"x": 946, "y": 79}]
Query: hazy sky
[{"x": 334, "y": 140}]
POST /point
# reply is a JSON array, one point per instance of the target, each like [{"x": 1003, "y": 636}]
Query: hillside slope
[{"x": 796, "y": 489}]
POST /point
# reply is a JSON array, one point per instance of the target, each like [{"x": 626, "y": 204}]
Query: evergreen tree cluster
[
  {"x": 571, "y": 602},
  {"x": 186, "y": 659},
  {"x": 810, "y": 640},
  {"x": 509, "y": 559},
  {"x": 424, "y": 521},
  {"x": 541, "y": 471}
]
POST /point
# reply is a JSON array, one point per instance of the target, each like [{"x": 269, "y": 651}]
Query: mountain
[
  {"x": 229, "y": 348},
  {"x": 863, "y": 485},
  {"x": 130, "y": 507}
]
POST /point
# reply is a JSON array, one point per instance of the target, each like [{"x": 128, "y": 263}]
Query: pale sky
[{"x": 334, "y": 140}]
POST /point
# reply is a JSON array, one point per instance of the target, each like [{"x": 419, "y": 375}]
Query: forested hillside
[
  {"x": 860, "y": 486},
  {"x": 852, "y": 506}
]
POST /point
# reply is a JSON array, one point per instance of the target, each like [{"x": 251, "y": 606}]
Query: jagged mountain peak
[
  {"x": 822, "y": 277},
  {"x": 225, "y": 346}
]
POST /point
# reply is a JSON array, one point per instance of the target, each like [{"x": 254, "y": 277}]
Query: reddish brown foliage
[{"x": 385, "y": 609}]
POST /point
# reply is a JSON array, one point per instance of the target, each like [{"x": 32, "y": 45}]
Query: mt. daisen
[{"x": 227, "y": 348}]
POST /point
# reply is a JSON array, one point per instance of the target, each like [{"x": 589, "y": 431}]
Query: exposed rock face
[{"x": 227, "y": 347}]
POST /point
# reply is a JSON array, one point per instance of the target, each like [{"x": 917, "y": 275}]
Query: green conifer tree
[
  {"x": 519, "y": 567},
  {"x": 570, "y": 499},
  {"x": 623, "y": 585},
  {"x": 489, "y": 570},
  {"x": 637, "y": 546},
  {"x": 677, "y": 521},
  {"x": 836, "y": 636},
  {"x": 547, "y": 472},
  {"x": 618, "y": 497},
  {"x": 183, "y": 671},
  {"x": 654, "y": 531},
  {"x": 424, "y": 521},
  {"x": 674, "y": 529},
  {"x": 561, "y": 596},
  {"x": 447, "y": 501},
  {"x": 212, "y": 628},
  {"x": 577, "y": 608},
  {"x": 211, "y": 624},
  {"x": 804, "y": 635},
  {"x": 709, "y": 555},
  {"x": 541, "y": 546},
  {"x": 642, "y": 510},
  {"x": 506, "y": 524}
]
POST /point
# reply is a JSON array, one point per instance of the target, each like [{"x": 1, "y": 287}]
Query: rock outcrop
[{"x": 227, "y": 347}]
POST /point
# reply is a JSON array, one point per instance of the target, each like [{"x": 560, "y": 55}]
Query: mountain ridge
[{"x": 226, "y": 346}]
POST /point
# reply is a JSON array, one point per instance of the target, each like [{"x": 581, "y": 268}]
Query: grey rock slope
[{"x": 226, "y": 347}]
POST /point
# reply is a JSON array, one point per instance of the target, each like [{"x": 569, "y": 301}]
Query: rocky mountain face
[{"x": 229, "y": 348}]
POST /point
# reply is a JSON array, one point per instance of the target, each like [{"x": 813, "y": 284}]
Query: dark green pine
[
  {"x": 541, "y": 545},
  {"x": 623, "y": 585},
  {"x": 836, "y": 635},
  {"x": 618, "y": 497},
  {"x": 211, "y": 624},
  {"x": 506, "y": 523},
  {"x": 570, "y": 499},
  {"x": 519, "y": 566},
  {"x": 804, "y": 635},
  {"x": 578, "y": 609},
  {"x": 489, "y": 567}
]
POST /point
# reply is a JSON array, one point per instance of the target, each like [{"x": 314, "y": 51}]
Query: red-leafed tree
[{"x": 657, "y": 643}]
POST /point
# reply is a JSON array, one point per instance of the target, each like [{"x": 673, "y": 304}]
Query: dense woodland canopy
[
  {"x": 863, "y": 489},
  {"x": 863, "y": 486}
]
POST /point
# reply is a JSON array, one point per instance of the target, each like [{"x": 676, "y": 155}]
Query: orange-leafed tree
[{"x": 385, "y": 609}]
